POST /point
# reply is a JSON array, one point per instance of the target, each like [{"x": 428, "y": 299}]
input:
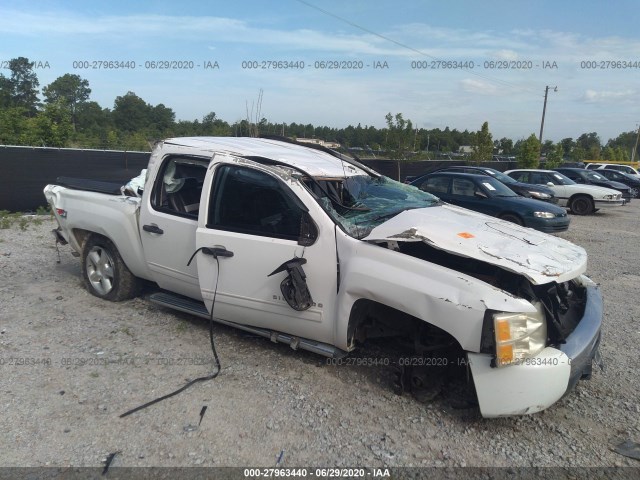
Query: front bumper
[
  {"x": 537, "y": 383},
  {"x": 608, "y": 203},
  {"x": 582, "y": 345},
  {"x": 549, "y": 225}
]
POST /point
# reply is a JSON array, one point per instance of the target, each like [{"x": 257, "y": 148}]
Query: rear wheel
[
  {"x": 581, "y": 205},
  {"x": 510, "y": 217},
  {"x": 104, "y": 272}
]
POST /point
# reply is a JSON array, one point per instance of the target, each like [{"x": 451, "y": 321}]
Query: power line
[{"x": 408, "y": 47}]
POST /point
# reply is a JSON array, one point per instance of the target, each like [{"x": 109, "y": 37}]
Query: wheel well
[
  {"x": 371, "y": 320},
  {"x": 82, "y": 236},
  {"x": 577, "y": 195},
  {"x": 513, "y": 214}
]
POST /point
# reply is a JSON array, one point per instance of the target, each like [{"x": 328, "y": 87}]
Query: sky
[{"x": 445, "y": 63}]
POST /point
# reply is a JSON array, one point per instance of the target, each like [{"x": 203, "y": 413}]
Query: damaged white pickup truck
[{"x": 308, "y": 247}]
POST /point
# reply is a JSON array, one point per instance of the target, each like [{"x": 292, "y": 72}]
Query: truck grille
[{"x": 564, "y": 305}]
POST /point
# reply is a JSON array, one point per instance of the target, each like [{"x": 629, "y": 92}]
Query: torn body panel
[
  {"x": 539, "y": 257},
  {"x": 448, "y": 299},
  {"x": 511, "y": 391},
  {"x": 547, "y": 376},
  {"x": 294, "y": 287}
]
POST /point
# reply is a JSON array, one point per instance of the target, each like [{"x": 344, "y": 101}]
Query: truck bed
[{"x": 110, "y": 188}]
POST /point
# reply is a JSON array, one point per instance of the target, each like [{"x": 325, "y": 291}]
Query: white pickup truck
[{"x": 309, "y": 247}]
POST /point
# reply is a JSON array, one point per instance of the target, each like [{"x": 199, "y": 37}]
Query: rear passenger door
[{"x": 168, "y": 223}]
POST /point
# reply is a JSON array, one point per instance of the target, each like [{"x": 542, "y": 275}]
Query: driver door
[{"x": 257, "y": 223}]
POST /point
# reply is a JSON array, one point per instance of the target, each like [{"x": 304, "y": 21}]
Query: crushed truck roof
[{"x": 315, "y": 162}]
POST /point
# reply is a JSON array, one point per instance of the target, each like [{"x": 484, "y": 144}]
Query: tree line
[{"x": 62, "y": 115}]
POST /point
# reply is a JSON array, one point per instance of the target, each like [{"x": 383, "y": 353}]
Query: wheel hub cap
[{"x": 100, "y": 270}]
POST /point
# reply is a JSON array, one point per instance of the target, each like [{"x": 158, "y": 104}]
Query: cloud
[
  {"x": 472, "y": 85},
  {"x": 593, "y": 96},
  {"x": 505, "y": 55},
  {"x": 436, "y": 42},
  {"x": 213, "y": 29}
]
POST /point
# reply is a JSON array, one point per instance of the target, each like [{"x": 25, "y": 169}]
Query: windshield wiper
[{"x": 355, "y": 209}]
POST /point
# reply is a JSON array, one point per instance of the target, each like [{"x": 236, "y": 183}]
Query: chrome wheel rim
[{"x": 100, "y": 270}]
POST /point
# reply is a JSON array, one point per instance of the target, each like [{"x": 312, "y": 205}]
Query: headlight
[
  {"x": 608, "y": 197},
  {"x": 519, "y": 336},
  {"x": 544, "y": 214},
  {"x": 540, "y": 195}
]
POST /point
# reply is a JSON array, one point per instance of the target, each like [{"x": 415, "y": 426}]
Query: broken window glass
[{"x": 360, "y": 203}]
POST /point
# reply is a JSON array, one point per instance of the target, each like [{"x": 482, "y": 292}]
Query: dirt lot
[{"x": 70, "y": 364}]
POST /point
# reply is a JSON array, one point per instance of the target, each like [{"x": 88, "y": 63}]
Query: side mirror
[
  {"x": 550, "y": 184},
  {"x": 479, "y": 194},
  {"x": 308, "y": 230}
]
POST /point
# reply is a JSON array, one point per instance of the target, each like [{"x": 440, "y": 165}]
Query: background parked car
[
  {"x": 614, "y": 166},
  {"x": 632, "y": 182},
  {"x": 487, "y": 195},
  {"x": 528, "y": 190},
  {"x": 589, "y": 177},
  {"x": 580, "y": 199}
]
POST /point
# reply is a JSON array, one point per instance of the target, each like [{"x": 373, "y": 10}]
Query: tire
[
  {"x": 634, "y": 192},
  {"x": 581, "y": 205},
  {"x": 510, "y": 217},
  {"x": 104, "y": 273}
]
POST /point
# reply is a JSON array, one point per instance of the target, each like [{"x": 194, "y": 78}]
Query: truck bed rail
[{"x": 110, "y": 188}]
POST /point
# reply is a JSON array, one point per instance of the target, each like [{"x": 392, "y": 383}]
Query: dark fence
[
  {"x": 25, "y": 171},
  {"x": 400, "y": 170}
]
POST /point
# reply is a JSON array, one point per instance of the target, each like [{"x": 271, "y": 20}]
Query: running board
[{"x": 194, "y": 307}]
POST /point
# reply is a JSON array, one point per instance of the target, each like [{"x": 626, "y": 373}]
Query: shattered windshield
[{"x": 360, "y": 203}]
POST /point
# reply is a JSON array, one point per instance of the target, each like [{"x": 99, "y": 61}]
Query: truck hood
[{"x": 540, "y": 257}]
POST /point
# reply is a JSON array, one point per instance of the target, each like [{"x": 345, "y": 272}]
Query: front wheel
[
  {"x": 634, "y": 192},
  {"x": 104, "y": 273},
  {"x": 582, "y": 205}
]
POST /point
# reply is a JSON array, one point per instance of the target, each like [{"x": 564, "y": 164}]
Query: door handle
[
  {"x": 153, "y": 229},
  {"x": 217, "y": 252}
]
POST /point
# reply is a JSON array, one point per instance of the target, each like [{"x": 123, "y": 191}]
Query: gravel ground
[{"x": 88, "y": 361}]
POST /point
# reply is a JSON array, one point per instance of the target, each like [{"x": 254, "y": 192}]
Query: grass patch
[
  {"x": 43, "y": 210},
  {"x": 126, "y": 331},
  {"x": 8, "y": 220},
  {"x": 181, "y": 327}
]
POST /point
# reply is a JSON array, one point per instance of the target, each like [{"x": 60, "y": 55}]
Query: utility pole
[
  {"x": 544, "y": 110},
  {"x": 635, "y": 148}
]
